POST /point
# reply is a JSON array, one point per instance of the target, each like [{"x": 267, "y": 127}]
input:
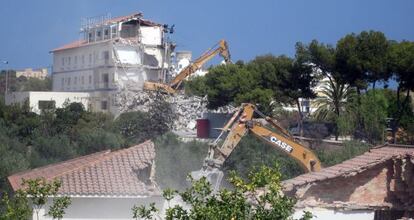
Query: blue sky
[{"x": 30, "y": 29}]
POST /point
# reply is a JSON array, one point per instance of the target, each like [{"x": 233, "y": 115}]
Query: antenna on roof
[{"x": 90, "y": 22}]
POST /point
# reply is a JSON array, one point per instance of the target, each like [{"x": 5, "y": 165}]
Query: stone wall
[{"x": 386, "y": 185}]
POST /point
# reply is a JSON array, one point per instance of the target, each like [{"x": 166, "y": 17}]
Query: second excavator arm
[
  {"x": 242, "y": 122},
  {"x": 221, "y": 49}
]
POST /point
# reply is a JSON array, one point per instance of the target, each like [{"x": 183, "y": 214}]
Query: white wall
[
  {"x": 69, "y": 66},
  {"x": 329, "y": 214},
  {"x": 102, "y": 208},
  {"x": 151, "y": 35},
  {"x": 59, "y": 97}
]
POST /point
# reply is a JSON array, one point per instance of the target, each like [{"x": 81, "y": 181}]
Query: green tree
[
  {"x": 97, "y": 139},
  {"x": 35, "y": 193},
  {"x": 15, "y": 207},
  {"x": 57, "y": 209},
  {"x": 401, "y": 62},
  {"x": 241, "y": 202},
  {"x": 33, "y": 84},
  {"x": 332, "y": 102},
  {"x": 372, "y": 49},
  {"x": 134, "y": 126},
  {"x": 348, "y": 63}
]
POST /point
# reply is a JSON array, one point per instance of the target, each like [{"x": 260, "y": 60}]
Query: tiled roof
[
  {"x": 71, "y": 45},
  {"x": 104, "y": 173},
  {"x": 357, "y": 164}
]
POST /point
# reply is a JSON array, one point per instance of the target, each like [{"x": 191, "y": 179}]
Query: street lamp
[{"x": 7, "y": 76}]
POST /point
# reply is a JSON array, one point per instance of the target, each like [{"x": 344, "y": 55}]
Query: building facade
[
  {"x": 38, "y": 101},
  {"x": 114, "y": 54},
  {"x": 32, "y": 73}
]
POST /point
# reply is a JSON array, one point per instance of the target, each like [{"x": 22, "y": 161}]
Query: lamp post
[{"x": 7, "y": 76}]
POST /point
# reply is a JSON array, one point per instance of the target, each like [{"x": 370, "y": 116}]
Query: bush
[
  {"x": 94, "y": 140},
  {"x": 134, "y": 126},
  {"x": 350, "y": 150}
]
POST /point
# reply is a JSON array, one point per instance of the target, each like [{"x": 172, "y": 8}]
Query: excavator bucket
[
  {"x": 213, "y": 176},
  {"x": 154, "y": 86}
]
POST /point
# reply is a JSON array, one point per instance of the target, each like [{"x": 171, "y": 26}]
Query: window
[
  {"x": 105, "y": 55},
  {"x": 113, "y": 30},
  {"x": 69, "y": 60},
  {"x": 106, "y": 33},
  {"x": 104, "y": 105},
  {"x": 82, "y": 80},
  {"x": 83, "y": 59},
  {"x": 90, "y": 79},
  {"x": 46, "y": 104},
  {"x": 105, "y": 80},
  {"x": 90, "y": 58},
  {"x": 69, "y": 81},
  {"x": 91, "y": 37},
  {"x": 75, "y": 81},
  {"x": 63, "y": 82},
  {"x": 63, "y": 61},
  {"x": 75, "y": 61}
]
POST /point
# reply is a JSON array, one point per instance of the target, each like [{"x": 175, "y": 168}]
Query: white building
[
  {"x": 32, "y": 73},
  {"x": 39, "y": 101},
  {"x": 113, "y": 54}
]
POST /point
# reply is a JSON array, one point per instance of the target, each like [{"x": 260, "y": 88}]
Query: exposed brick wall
[{"x": 388, "y": 184}]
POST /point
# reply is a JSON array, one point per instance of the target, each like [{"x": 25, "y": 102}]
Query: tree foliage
[
  {"x": 259, "y": 197},
  {"x": 33, "y": 196}
]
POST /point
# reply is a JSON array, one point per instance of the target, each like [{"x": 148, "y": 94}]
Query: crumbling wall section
[
  {"x": 187, "y": 108},
  {"x": 389, "y": 184}
]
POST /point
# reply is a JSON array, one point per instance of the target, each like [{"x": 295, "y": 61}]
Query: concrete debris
[{"x": 187, "y": 108}]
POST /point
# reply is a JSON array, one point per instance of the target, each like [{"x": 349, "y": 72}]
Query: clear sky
[{"x": 31, "y": 28}]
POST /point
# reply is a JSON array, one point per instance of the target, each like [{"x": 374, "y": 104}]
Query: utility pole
[{"x": 7, "y": 76}]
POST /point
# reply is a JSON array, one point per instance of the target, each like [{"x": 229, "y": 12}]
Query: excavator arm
[
  {"x": 242, "y": 122},
  {"x": 222, "y": 49}
]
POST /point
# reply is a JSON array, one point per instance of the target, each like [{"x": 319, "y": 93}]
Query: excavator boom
[{"x": 222, "y": 49}]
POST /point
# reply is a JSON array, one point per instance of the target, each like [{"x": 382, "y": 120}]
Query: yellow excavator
[
  {"x": 237, "y": 127},
  {"x": 220, "y": 48}
]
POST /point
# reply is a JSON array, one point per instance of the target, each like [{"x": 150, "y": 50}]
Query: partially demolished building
[
  {"x": 113, "y": 54},
  {"x": 376, "y": 185}
]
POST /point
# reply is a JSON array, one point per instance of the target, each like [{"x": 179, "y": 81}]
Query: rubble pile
[{"x": 187, "y": 108}]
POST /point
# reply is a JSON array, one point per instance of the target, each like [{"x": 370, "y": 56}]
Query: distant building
[
  {"x": 32, "y": 73},
  {"x": 39, "y": 101},
  {"x": 103, "y": 185}
]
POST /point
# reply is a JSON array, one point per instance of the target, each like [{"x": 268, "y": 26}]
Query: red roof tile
[
  {"x": 360, "y": 163},
  {"x": 71, "y": 45},
  {"x": 101, "y": 174}
]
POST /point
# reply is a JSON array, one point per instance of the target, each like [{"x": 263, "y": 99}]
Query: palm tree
[{"x": 331, "y": 101}]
